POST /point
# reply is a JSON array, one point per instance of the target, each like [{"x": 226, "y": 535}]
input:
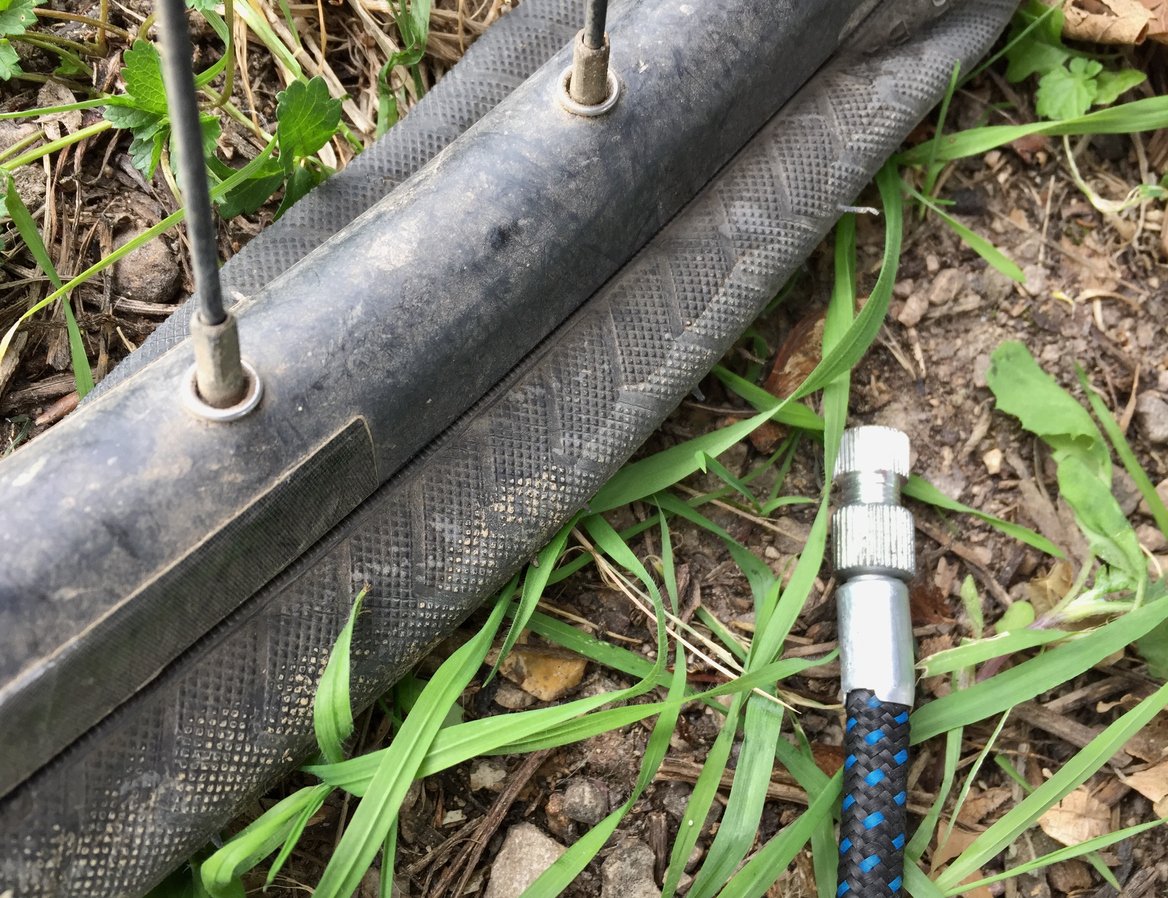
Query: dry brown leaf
[
  {"x": 1078, "y": 817},
  {"x": 979, "y": 805},
  {"x": 1158, "y": 24},
  {"x": 1047, "y": 591},
  {"x": 1152, "y": 784},
  {"x": 1106, "y": 21},
  {"x": 797, "y": 357},
  {"x": 957, "y": 842},
  {"x": 545, "y": 673}
]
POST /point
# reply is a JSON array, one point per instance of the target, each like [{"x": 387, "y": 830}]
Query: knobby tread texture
[
  {"x": 872, "y": 822},
  {"x": 142, "y": 791}
]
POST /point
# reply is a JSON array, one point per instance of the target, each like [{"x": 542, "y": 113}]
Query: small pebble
[
  {"x": 993, "y": 461},
  {"x": 1152, "y": 415},
  {"x": 628, "y": 872},
  {"x": 914, "y": 310},
  {"x": 487, "y": 773},
  {"x": 946, "y": 285},
  {"x": 525, "y": 854},
  {"x": 585, "y": 801},
  {"x": 1151, "y": 538}
]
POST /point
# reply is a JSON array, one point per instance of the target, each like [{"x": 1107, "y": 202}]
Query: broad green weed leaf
[
  {"x": 1036, "y": 42},
  {"x": 1024, "y": 390},
  {"x": 17, "y": 16},
  {"x": 301, "y": 180},
  {"x": 1068, "y": 91},
  {"x": 1110, "y": 85},
  {"x": 9, "y": 61},
  {"x": 1088, "y": 491},
  {"x": 1017, "y": 617},
  {"x": 307, "y": 118},
  {"x": 143, "y": 76}
]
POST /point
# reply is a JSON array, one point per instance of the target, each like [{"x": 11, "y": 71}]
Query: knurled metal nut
[
  {"x": 873, "y": 448},
  {"x": 873, "y": 539}
]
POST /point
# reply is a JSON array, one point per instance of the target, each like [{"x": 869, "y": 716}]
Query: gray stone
[
  {"x": 946, "y": 285},
  {"x": 585, "y": 801},
  {"x": 487, "y": 773},
  {"x": 628, "y": 872},
  {"x": 148, "y": 274},
  {"x": 525, "y": 854},
  {"x": 1152, "y": 415}
]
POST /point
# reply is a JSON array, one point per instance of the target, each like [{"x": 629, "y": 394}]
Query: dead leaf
[
  {"x": 797, "y": 357},
  {"x": 959, "y": 839},
  {"x": 1048, "y": 590},
  {"x": 979, "y": 805},
  {"x": 1078, "y": 817},
  {"x": 1032, "y": 148},
  {"x": 1152, "y": 784},
  {"x": 1107, "y": 21},
  {"x": 545, "y": 673},
  {"x": 828, "y": 758},
  {"x": 1158, "y": 24}
]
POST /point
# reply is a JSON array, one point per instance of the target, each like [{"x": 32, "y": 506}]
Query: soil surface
[{"x": 1094, "y": 297}]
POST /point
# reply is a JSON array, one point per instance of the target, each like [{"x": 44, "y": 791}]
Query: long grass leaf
[
  {"x": 740, "y": 820},
  {"x": 1148, "y": 114},
  {"x": 260, "y": 838},
  {"x": 534, "y": 583},
  {"x": 920, "y": 489},
  {"x": 1069, "y": 776},
  {"x": 31, "y": 235},
  {"x": 1062, "y": 854},
  {"x": 769, "y": 862},
  {"x": 1030, "y": 678},
  {"x": 379, "y": 807},
  {"x": 981, "y": 650},
  {"x": 332, "y": 711}
]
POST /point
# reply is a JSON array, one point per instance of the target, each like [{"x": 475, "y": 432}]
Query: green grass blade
[
  {"x": 917, "y": 884},
  {"x": 332, "y": 711},
  {"x": 769, "y": 862},
  {"x": 794, "y": 415},
  {"x": 31, "y": 235},
  {"x": 378, "y": 809},
  {"x": 740, "y": 820},
  {"x": 220, "y": 872},
  {"x": 293, "y": 836},
  {"x": 992, "y": 255},
  {"x": 693, "y": 820},
  {"x": 1069, "y": 776},
  {"x": 1063, "y": 854},
  {"x": 1150, "y": 114},
  {"x": 388, "y": 862},
  {"x": 568, "y": 866},
  {"x": 924, "y": 831},
  {"x": 920, "y": 489},
  {"x": 534, "y": 583},
  {"x": 224, "y": 187},
  {"x": 982, "y": 650},
  {"x": 1124, "y": 451},
  {"x": 1033, "y": 677}
]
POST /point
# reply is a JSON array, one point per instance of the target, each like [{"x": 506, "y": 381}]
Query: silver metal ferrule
[
  {"x": 875, "y": 638},
  {"x": 874, "y": 552}
]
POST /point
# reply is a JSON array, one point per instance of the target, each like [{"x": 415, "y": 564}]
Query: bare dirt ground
[{"x": 1095, "y": 296}]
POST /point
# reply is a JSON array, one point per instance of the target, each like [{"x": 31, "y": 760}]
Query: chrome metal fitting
[
  {"x": 874, "y": 551},
  {"x": 875, "y": 636},
  {"x": 220, "y": 386},
  {"x": 589, "y": 87}
]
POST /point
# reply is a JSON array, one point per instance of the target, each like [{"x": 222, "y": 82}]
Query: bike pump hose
[{"x": 874, "y": 559}]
